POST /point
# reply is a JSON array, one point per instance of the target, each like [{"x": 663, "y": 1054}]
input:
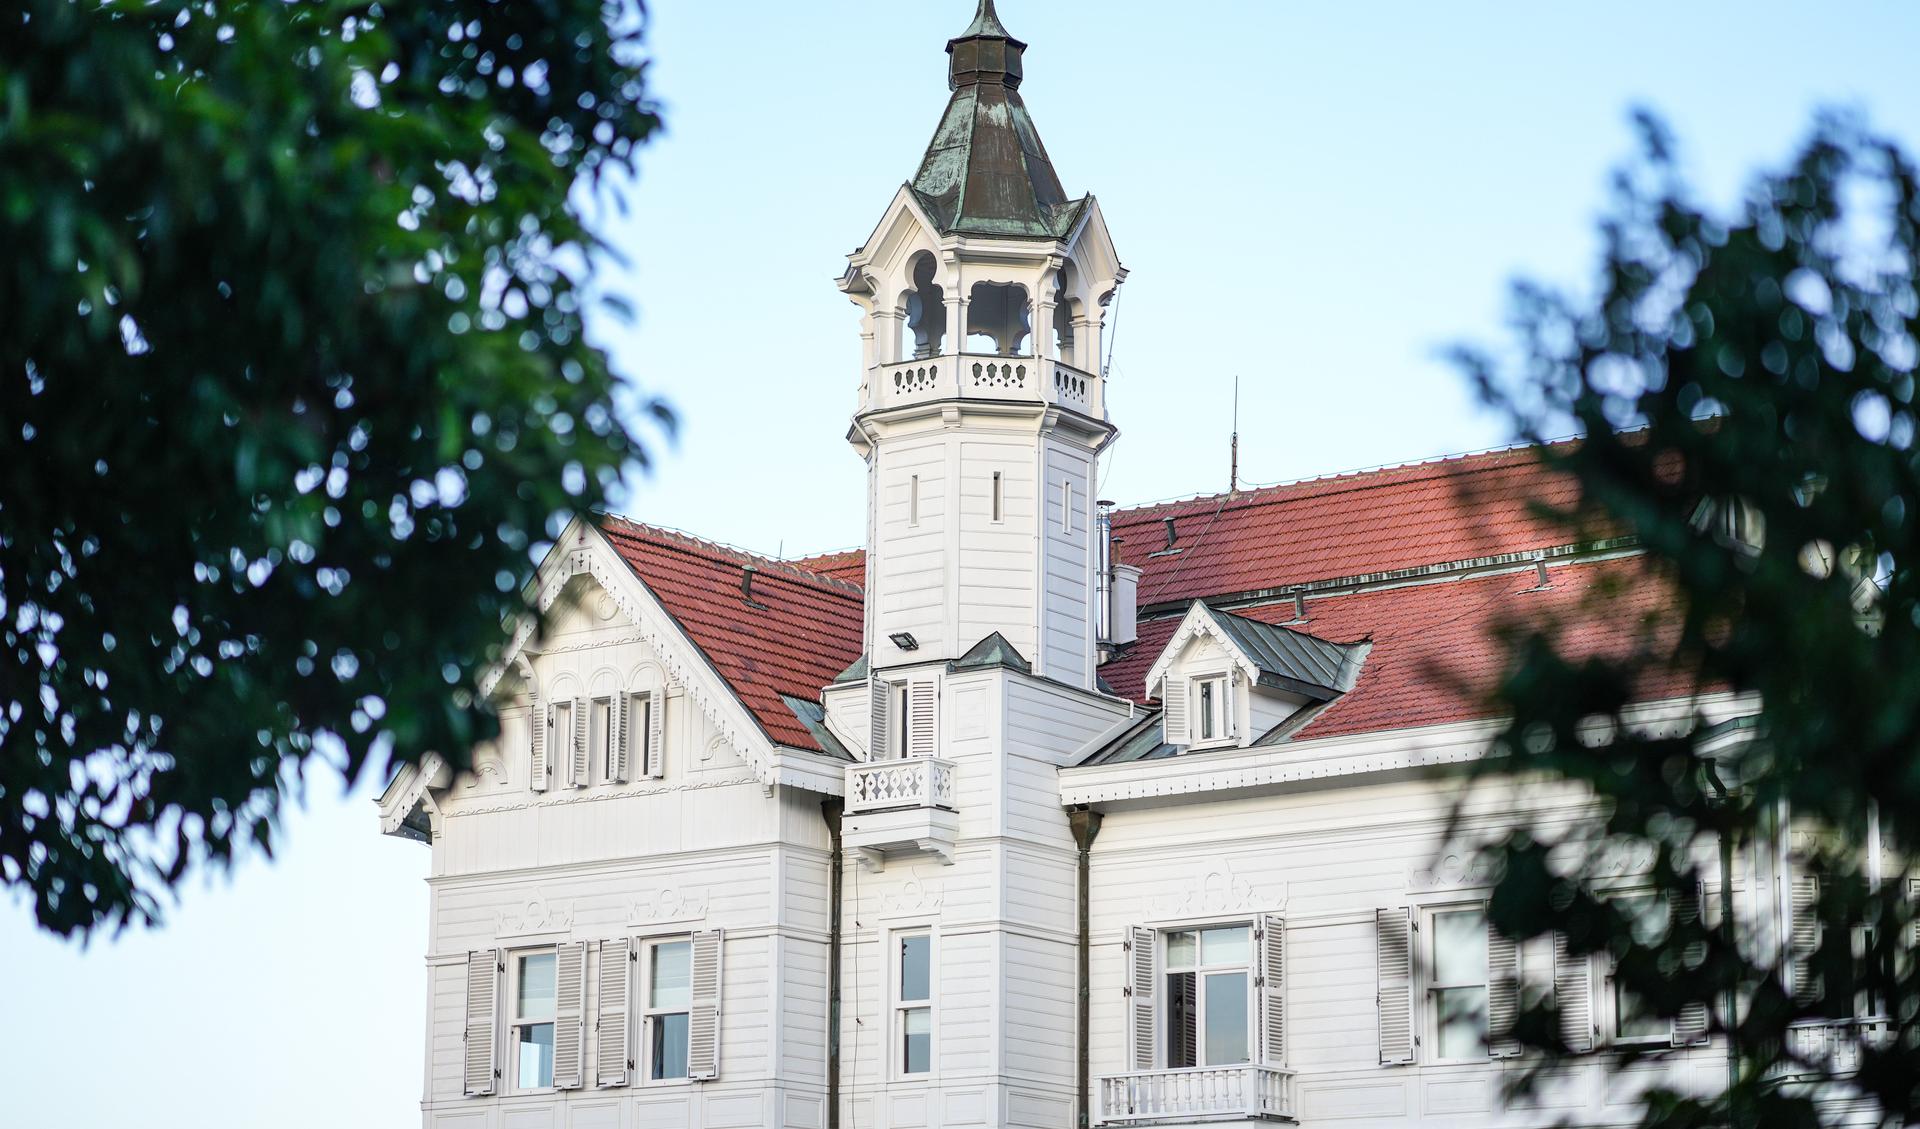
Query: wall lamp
[{"x": 905, "y": 640}]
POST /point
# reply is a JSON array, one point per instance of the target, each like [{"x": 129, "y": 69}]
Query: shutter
[
  {"x": 879, "y": 695},
  {"x": 1394, "y": 952},
  {"x": 1503, "y": 994},
  {"x": 620, "y": 718},
  {"x": 1803, "y": 936},
  {"x": 1691, "y": 1025},
  {"x": 1179, "y": 730},
  {"x": 483, "y": 991},
  {"x": 1141, "y": 948},
  {"x": 537, "y": 723},
  {"x": 569, "y": 1016},
  {"x": 612, "y": 1059},
  {"x": 1573, "y": 996},
  {"x": 656, "y": 766},
  {"x": 1228, "y": 723},
  {"x": 923, "y": 732},
  {"x": 1270, "y": 989},
  {"x": 703, "y": 1020},
  {"x": 577, "y": 764}
]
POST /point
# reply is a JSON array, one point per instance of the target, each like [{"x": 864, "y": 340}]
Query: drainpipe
[
  {"x": 1085, "y": 823},
  {"x": 830, "y": 809}
]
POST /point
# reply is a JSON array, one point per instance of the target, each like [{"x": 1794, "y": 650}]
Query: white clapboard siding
[
  {"x": 703, "y": 1019},
  {"x": 537, "y": 724},
  {"x": 1270, "y": 989},
  {"x": 1690, "y": 1027},
  {"x": 1141, "y": 948},
  {"x": 1573, "y": 995},
  {"x": 879, "y": 696},
  {"x": 922, "y": 720},
  {"x": 1395, "y": 999},
  {"x": 483, "y": 995},
  {"x": 1178, "y": 729},
  {"x": 577, "y": 764},
  {"x": 1503, "y": 993},
  {"x": 620, "y": 717},
  {"x": 1803, "y": 936},
  {"x": 612, "y": 1058},
  {"x": 655, "y": 706},
  {"x": 569, "y": 1016}
]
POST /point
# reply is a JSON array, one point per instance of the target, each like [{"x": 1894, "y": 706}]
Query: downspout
[
  {"x": 830, "y": 809},
  {"x": 1085, "y": 823}
]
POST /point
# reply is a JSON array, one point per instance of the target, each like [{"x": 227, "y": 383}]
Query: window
[
  {"x": 639, "y": 734},
  {"x": 913, "y": 500},
  {"x": 601, "y": 725},
  {"x": 1459, "y": 985},
  {"x": 1066, "y": 506},
  {"x": 1208, "y": 1017},
  {"x": 669, "y": 1003},
  {"x": 1210, "y": 721},
  {"x": 532, "y": 1022},
  {"x": 913, "y": 1003},
  {"x": 563, "y": 737},
  {"x": 1647, "y": 921},
  {"x": 996, "y": 495}
]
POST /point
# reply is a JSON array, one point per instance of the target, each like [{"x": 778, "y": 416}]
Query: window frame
[
  {"x": 1609, "y": 997},
  {"x": 600, "y": 739},
  {"x": 1431, "y": 986},
  {"x": 996, "y": 512},
  {"x": 1201, "y": 970},
  {"x": 898, "y": 1006},
  {"x": 648, "y": 1015},
  {"x": 1202, "y": 687},
  {"x": 515, "y": 961}
]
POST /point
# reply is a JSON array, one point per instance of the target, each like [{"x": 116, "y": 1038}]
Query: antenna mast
[{"x": 1233, "y": 473}]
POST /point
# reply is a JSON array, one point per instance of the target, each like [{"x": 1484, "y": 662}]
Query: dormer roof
[{"x": 1269, "y": 654}]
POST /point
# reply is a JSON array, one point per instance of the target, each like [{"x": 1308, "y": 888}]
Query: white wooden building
[{"x": 1035, "y": 813}]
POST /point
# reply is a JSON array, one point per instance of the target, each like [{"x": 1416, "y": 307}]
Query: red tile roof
[
  {"x": 849, "y": 565},
  {"x": 1437, "y": 647},
  {"x": 808, "y": 632}
]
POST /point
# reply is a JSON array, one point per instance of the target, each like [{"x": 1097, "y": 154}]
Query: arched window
[
  {"x": 923, "y": 332},
  {"x": 998, "y": 319}
]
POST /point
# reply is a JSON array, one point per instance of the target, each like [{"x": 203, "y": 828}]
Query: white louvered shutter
[
  {"x": 703, "y": 1020},
  {"x": 537, "y": 723},
  {"x": 1141, "y": 948},
  {"x": 577, "y": 763},
  {"x": 1573, "y": 995},
  {"x": 1228, "y": 726},
  {"x": 1179, "y": 730},
  {"x": 923, "y": 730},
  {"x": 879, "y": 698},
  {"x": 1913, "y": 904},
  {"x": 1690, "y": 1027},
  {"x": 483, "y": 994},
  {"x": 1394, "y": 955},
  {"x": 1270, "y": 989},
  {"x": 1503, "y": 994},
  {"x": 656, "y": 763},
  {"x": 1803, "y": 936},
  {"x": 620, "y": 717},
  {"x": 569, "y": 1016},
  {"x": 612, "y": 1058}
]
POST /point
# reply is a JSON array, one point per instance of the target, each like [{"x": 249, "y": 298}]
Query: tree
[
  {"x": 292, "y": 385},
  {"x": 1745, "y": 395}
]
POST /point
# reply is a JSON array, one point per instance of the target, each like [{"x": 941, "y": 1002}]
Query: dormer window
[{"x": 1212, "y": 720}]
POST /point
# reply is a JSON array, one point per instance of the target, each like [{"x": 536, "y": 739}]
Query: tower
[{"x": 982, "y": 410}]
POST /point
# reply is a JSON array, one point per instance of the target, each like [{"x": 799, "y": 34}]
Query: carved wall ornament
[
  {"x": 668, "y": 904},
  {"x": 1216, "y": 889},
  {"x": 523, "y": 800},
  {"x": 1449, "y": 871},
  {"x": 535, "y": 915},
  {"x": 913, "y": 896}
]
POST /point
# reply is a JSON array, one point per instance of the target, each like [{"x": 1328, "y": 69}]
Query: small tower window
[
  {"x": 996, "y": 495},
  {"x": 913, "y": 500},
  {"x": 1066, "y": 506},
  {"x": 923, "y": 329},
  {"x": 998, "y": 319}
]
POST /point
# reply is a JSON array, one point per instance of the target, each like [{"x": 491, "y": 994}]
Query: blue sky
[{"x": 1316, "y": 198}]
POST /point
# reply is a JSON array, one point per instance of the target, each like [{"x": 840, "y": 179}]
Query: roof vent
[
  {"x": 746, "y": 587},
  {"x": 1173, "y": 535}
]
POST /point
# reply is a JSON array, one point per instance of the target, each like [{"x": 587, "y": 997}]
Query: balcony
[
  {"x": 900, "y": 807},
  {"x": 1831, "y": 1049},
  {"x": 1198, "y": 1093},
  {"x": 985, "y": 376}
]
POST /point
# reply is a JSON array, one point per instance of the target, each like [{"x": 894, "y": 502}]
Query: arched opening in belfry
[
  {"x": 923, "y": 332},
  {"x": 998, "y": 319}
]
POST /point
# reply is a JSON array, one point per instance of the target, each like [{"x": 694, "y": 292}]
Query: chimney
[
  {"x": 1102, "y": 571},
  {"x": 1125, "y": 604}
]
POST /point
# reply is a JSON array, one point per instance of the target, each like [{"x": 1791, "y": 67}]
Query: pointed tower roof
[{"x": 985, "y": 171}]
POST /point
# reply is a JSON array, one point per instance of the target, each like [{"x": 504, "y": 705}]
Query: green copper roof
[
  {"x": 992, "y": 651},
  {"x": 985, "y": 172},
  {"x": 855, "y": 673},
  {"x": 814, "y": 717},
  {"x": 1289, "y": 660}
]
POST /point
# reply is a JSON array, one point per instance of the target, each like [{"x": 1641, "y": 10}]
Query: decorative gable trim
[
  {"x": 582, "y": 550},
  {"x": 1199, "y": 622},
  {"x": 409, "y": 790}
]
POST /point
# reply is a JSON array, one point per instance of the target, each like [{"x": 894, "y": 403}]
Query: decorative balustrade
[
  {"x": 1831, "y": 1048},
  {"x": 913, "y": 782},
  {"x": 974, "y": 376},
  {"x": 1198, "y": 1093}
]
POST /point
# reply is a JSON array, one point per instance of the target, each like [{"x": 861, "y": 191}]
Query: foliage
[
  {"x": 1745, "y": 391},
  {"x": 292, "y": 383}
]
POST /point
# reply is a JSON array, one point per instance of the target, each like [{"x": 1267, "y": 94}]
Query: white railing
[
  {"x": 986, "y": 376},
  {"x": 913, "y": 782},
  {"x": 1197, "y": 1093},
  {"x": 1831, "y": 1048}
]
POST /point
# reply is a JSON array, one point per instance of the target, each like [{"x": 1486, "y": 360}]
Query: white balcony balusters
[
  {"x": 1198, "y": 1093},
  {"x": 914, "y": 782},
  {"x": 986, "y": 376}
]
